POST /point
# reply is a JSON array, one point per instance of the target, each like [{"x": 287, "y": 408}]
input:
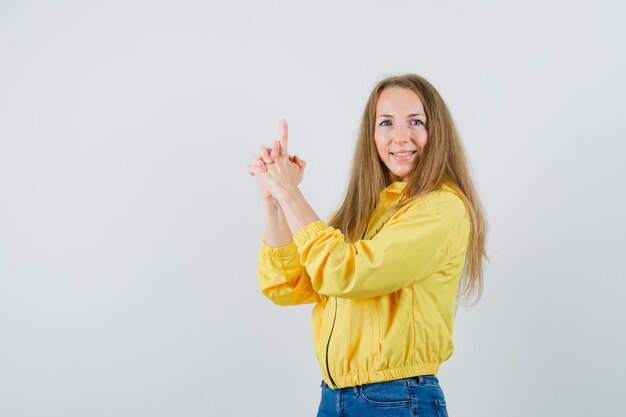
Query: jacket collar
[
  {"x": 394, "y": 188},
  {"x": 397, "y": 187}
]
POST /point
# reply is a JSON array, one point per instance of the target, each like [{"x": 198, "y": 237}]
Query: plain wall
[{"x": 129, "y": 226}]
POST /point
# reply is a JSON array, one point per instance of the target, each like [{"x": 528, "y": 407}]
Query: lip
[
  {"x": 403, "y": 158},
  {"x": 403, "y": 150}
]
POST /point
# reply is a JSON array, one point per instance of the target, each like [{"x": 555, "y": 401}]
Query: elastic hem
[
  {"x": 280, "y": 252},
  {"x": 305, "y": 233},
  {"x": 362, "y": 378}
]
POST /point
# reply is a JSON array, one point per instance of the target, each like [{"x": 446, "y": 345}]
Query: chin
[{"x": 400, "y": 175}]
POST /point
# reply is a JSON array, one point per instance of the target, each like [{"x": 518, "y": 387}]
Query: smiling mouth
[{"x": 403, "y": 153}]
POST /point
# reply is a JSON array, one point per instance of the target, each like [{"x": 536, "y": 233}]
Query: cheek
[
  {"x": 421, "y": 141},
  {"x": 380, "y": 146}
]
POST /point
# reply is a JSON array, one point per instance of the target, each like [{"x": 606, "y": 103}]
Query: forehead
[{"x": 398, "y": 100}]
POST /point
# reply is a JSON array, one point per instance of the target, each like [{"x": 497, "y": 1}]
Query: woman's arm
[
  {"x": 417, "y": 242},
  {"x": 277, "y": 232},
  {"x": 282, "y": 278}
]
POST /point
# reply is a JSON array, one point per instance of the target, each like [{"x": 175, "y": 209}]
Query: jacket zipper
[{"x": 328, "y": 344}]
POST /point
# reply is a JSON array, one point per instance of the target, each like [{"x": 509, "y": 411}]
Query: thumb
[{"x": 300, "y": 162}]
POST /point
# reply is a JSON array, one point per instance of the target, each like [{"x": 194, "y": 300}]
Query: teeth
[{"x": 404, "y": 153}]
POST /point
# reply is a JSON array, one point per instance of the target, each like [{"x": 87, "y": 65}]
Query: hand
[
  {"x": 259, "y": 167},
  {"x": 267, "y": 157},
  {"x": 282, "y": 176}
]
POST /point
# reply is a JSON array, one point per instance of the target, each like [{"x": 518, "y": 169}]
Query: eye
[
  {"x": 383, "y": 123},
  {"x": 417, "y": 120}
]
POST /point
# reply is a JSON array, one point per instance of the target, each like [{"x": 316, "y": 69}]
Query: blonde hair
[{"x": 441, "y": 160}]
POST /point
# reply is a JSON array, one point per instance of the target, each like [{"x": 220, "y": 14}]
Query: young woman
[{"x": 386, "y": 271}]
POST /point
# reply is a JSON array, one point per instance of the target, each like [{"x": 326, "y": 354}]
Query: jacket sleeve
[
  {"x": 412, "y": 245},
  {"x": 282, "y": 278}
]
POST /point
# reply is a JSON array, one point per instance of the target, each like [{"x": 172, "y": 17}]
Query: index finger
[
  {"x": 282, "y": 127},
  {"x": 275, "y": 149}
]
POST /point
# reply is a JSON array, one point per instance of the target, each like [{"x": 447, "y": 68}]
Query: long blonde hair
[{"x": 442, "y": 160}]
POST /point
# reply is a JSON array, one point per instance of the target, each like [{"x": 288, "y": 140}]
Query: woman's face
[{"x": 400, "y": 131}]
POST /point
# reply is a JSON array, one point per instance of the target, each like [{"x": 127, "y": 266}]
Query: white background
[{"x": 129, "y": 227}]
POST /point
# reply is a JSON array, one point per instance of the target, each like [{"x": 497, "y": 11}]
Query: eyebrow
[{"x": 410, "y": 115}]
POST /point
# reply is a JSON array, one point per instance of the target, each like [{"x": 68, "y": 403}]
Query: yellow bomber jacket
[{"x": 384, "y": 305}]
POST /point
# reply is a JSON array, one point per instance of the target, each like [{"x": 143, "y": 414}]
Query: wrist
[
  {"x": 287, "y": 195},
  {"x": 272, "y": 204}
]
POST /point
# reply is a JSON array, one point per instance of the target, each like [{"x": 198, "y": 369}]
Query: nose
[{"x": 401, "y": 134}]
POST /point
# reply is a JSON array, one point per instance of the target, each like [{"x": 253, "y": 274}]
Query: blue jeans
[{"x": 419, "y": 396}]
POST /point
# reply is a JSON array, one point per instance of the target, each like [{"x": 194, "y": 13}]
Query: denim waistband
[
  {"x": 420, "y": 379},
  {"x": 426, "y": 379}
]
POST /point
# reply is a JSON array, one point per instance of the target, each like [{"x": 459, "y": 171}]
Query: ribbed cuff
[
  {"x": 280, "y": 252},
  {"x": 302, "y": 236}
]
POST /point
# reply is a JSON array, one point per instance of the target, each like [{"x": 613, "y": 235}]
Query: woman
[{"x": 386, "y": 271}]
